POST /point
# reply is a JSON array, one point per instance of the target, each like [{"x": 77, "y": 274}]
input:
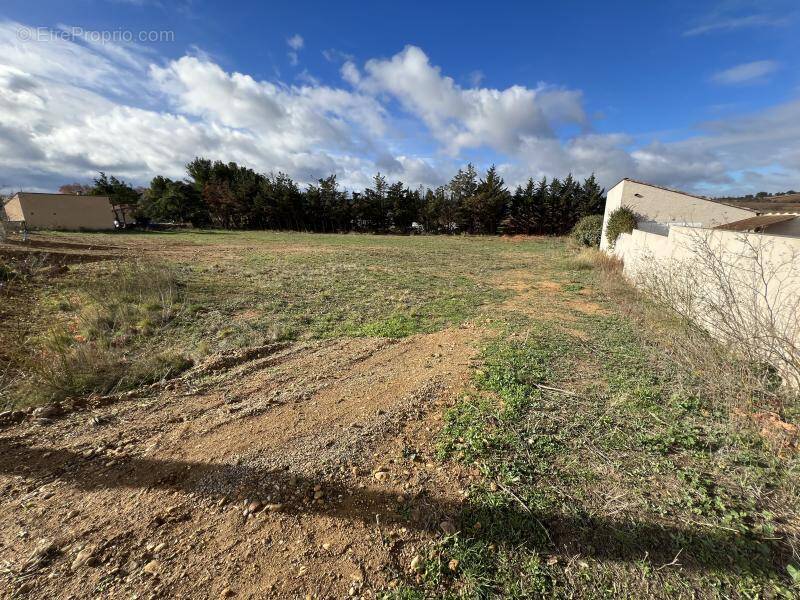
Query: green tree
[
  {"x": 176, "y": 201},
  {"x": 487, "y": 205},
  {"x": 525, "y": 211}
]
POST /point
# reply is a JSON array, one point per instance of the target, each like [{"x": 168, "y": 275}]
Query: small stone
[
  {"x": 152, "y": 568},
  {"x": 447, "y": 527},
  {"x": 274, "y": 507},
  {"x": 84, "y": 557},
  {"x": 49, "y": 411},
  {"x": 453, "y": 565},
  {"x": 381, "y": 475},
  {"x": 552, "y": 560},
  {"x": 71, "y": 515},
  {"x": 160, "y": 547},
  {"x": 416, "y": 563},
  {"x": 326, "y": 546},
  {"x": 254, "y": 507}
]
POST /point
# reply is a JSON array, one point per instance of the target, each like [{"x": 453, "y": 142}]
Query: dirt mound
[{"x": 299, "y": 471}]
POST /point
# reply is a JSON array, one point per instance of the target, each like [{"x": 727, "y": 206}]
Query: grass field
[{"x": 605, "y": 462}]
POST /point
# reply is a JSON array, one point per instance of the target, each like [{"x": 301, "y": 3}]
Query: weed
[
  {"x": 613, "y": 453},
  {"x": 110, "y": 343}
]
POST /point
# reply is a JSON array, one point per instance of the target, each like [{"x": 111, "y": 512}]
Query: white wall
[
  {"x": 659, "y": 208},
  {"x": 759, "y": 291}
]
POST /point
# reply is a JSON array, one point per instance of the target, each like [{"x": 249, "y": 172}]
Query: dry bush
[
  {"x": 134, "y": 298},
  {"x": 21, "y": 269},
  {"x": 592, "y": 258},
  {"x": 747, "y": 306},
  {"x": 116, "y": 341},
  {"x": 6, "y": 385},
  {"x": 88, "y": 368}
]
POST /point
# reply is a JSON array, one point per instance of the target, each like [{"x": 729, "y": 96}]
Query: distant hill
[{"x": 778, "y": 203}]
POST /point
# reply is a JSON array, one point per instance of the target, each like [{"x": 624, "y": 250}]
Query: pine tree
[
  {"x": 592, "y": 198},
  {"x": 488, "y": 204}
]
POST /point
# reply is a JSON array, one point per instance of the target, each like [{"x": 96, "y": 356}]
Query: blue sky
[{"x": 703, "y": 96}]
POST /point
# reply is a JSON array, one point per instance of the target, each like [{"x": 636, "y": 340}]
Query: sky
[{"x": 702, "y": 96}]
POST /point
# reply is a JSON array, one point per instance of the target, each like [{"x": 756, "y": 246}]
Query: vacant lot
[{"x": 284, "y": 415}]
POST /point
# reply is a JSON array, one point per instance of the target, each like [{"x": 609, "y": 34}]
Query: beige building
[
  {"x": 734, "y": 272},
  {"x": 660, "y": 208},
  {"x": 60, "y": 211}
]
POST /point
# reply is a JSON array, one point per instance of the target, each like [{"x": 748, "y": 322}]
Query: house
[
  {"x": 772, "y": 223},
  {"x": 60, "y": 211},
  {"x": 734, "y": 271},
  {"x": 658, "y": 208}
]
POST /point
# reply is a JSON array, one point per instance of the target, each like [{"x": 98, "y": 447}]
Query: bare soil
[{"x": 305, "y": 472}]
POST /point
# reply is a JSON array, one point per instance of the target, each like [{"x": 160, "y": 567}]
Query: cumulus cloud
[
  {"x": 69, "y": 109},
  {"x": 467, "y": 117},
  {"x": 745, "y": 73}
]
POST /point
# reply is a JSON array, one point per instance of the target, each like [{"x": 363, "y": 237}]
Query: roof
[
  {"x": 755, "y": 222},
  {"x": 26, "y": 194},
  {"x": 674, "y": 191}
]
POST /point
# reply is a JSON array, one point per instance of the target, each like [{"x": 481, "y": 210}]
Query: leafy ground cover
[{"x": 606, "y": 470}]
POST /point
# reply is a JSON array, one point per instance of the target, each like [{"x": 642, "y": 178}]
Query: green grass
[
  {"x": 608, "y": 467},
  {"x": 229, "y": 290},
  {"x": 629, "y": 483}
]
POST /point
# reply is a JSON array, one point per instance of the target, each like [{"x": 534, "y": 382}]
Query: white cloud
[
  {"x": 727, "y": 23},
  {"x": 476, "y": 77},
  {"x": 746, "y": 73},
  {"x": 296, "y": 44},
  {"x": 70, "y": 108},
  {"x": 462, "y": 118},
  {"x": 334, "y": 55}
]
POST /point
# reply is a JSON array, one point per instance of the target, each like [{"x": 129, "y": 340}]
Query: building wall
[
  {"x": 659, "y": 209},
  {"x": 690, "y": 259},
  {"x": 62, "y": 211},
  {"x": 791, "y": 228},
  {"x": 13, "y": 210}
]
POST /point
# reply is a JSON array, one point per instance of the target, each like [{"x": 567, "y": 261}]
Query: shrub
[
  {"x": 133, "y": 299},
  {"x": 621, "y": 220},
  {"x": 116, "y": 341},
  {"x": 592, "y": 258},
  {"x": 739, "y": 297},
  {"x": 75, "y": 370},
  {"x": 6, "y": 272},
  {"x": 588, "y": 230}
]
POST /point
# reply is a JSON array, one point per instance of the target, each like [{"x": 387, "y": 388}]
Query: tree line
[{"x": 231, "y": 196}]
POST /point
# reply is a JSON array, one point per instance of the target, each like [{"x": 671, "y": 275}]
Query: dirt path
[{"x": 303, "y": 473}]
